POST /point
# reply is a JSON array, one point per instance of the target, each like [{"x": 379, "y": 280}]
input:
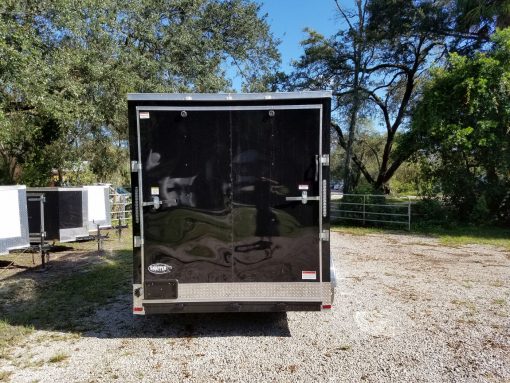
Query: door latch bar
[
  {"x": 304, "y": 198},
  {"x": 135, "y": 166},
  {"x": 137, "y": 241},
  {"x": 325, "y": 235},
  {"x": 325, "y": 160}
]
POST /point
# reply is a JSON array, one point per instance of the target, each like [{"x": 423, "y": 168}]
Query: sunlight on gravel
[{"x": 407, "y": 309}]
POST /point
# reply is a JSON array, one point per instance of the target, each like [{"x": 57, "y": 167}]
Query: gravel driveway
[{"x": 407, "y": 309}]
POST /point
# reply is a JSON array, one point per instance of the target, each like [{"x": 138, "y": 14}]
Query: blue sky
[{"x": 288, "y": 18}]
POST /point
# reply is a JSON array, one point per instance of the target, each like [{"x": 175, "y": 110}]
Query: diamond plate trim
[
  {"x": 327, "y": 293},
  {"x": 247, "y": 292}
]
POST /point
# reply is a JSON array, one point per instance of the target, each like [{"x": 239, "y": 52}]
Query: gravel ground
[{"x": 407, "y": 310}]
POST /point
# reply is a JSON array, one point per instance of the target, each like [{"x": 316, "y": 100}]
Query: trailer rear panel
[
  {"x": 13, "y": 218},
  {"x": 230, "y": 202}
]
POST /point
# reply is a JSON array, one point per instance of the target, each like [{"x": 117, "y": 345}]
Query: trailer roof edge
[
  {"x": 12, "y": 187},
  {"x": 228, "y": 96},
  {"x": 54, "y": 188}
]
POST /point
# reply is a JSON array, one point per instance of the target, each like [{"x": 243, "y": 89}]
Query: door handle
[
  {"x": 316, "y": 167},
  {"x": 304, "y": 198},
  {"x": 156, "y": 202}
]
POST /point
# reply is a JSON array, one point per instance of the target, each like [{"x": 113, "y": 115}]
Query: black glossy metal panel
[
  {"x": 186, "y": 166},
  {"x": 274, "y": 157}
]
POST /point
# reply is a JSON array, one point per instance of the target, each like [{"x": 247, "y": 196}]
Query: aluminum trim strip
[
  {"x": 190, "y": 97},
  {"x": 44, "y": 189},
  {"x": 227, "y": 108},
  {"x": 140, "y": 196},
  {"x": 12, "y": 187},
  {"x": 247, "y": 292},
  {"x": 321, "y": 197}
]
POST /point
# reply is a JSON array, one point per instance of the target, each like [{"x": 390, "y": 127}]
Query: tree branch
[
  {"x": 354, "y": 158},
  {"x": 343, "y": 14}
]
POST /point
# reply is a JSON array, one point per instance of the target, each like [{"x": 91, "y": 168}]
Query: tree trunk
[{"x": 358, "y": 47}]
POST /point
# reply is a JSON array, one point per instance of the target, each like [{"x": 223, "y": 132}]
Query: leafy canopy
[
  {"x": 463, "y": 125},
  {"x": 66, "y": 67}
]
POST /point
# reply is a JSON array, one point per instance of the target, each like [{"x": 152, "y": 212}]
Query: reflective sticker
[
  {"x": 303, "y": 187},
  {"x": 308, "y": 275},
  {"x": 154, "y": 190},
  {"x": 144, "y": 115}
]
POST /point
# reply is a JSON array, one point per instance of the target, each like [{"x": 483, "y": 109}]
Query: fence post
[
  {"x": 364, "y": 209},
  {"x": 409, "y": 213}
]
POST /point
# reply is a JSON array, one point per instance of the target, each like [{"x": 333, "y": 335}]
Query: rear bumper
[
  {"x": 238, "y": 297},
  {"x": 217, "y": 307}
]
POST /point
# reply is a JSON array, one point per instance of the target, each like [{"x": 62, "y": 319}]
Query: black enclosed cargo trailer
[
  {"x": 230, "y": 202},
  {"x": 64, "y": 212}
]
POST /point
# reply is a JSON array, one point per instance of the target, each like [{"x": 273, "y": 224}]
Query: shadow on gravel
[
  {"x": 90, "y": 293},
  {"x": 192, "y": 325}
]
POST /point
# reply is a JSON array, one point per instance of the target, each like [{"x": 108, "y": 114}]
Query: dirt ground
[{"x": 407, "y": 309}]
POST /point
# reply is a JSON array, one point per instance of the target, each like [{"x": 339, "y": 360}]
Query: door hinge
[
  {"x": 325, "y": 235},
  {"x": 325, "y": 160},
  {"x": 137, "y": 241},
  {"x": 135, "y": 166}
]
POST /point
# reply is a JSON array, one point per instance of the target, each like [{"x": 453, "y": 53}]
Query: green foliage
[
  {"x": 406, "y": 179},
  {"x": 374, "y": 64},
  {"x": 482, "y": 15},
  {"x": 430, "y": 212},
  {"x": 462, "y": 123},
  {"x": 66, "y": 67}
]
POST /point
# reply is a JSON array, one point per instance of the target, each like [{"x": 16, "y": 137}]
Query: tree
[
  {"x": 482, "y": 16},
  {"x": 463, "y": 125},
  {"x": 67, "y": 66},
  {"x": 340, "y": 62},
  {"x": 374, "y": 67}
]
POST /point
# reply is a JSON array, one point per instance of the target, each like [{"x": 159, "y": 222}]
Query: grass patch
[
  {"x": 58, "y": 357},
  {"x": 358, "y": 230},
  {"x": 65, "y": 301},
  {"x": 449, "y": 236},
  {"x": 344, "y": 347},
  {"x": 11, "y": 334},
  {"x": 466, "y": 235},
  {"x": 470, "y": 306},
  {"x": 4, "y": 376}
]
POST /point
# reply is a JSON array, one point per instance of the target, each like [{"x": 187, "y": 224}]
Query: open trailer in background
[
  {"x": 231, "y": 202},
  {"x": 65, "y": 213},
  {"x": 13, "y": 219},
  {"x": 98, "y": 205}
]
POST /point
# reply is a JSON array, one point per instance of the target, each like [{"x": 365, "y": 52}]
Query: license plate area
[{"x": 166, "y": 289}]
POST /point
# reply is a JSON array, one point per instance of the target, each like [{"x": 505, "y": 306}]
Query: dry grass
[
  {"x": 58, "y": 357},
  {"x": 4, "y": 376}
]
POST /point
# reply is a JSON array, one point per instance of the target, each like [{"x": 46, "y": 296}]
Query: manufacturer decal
[
  {"x": 154, "y": 190},
  {"x": 159, "y": 268},
  {"x": 144, "y": 115},
  {"x": 303, "y": 187},
  {"x": 309, "y": 275}
]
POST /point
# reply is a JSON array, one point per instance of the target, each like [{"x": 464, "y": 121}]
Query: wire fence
[
  {"x": 120, "y": 205},
  {"x": 372, "y": 208}
]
